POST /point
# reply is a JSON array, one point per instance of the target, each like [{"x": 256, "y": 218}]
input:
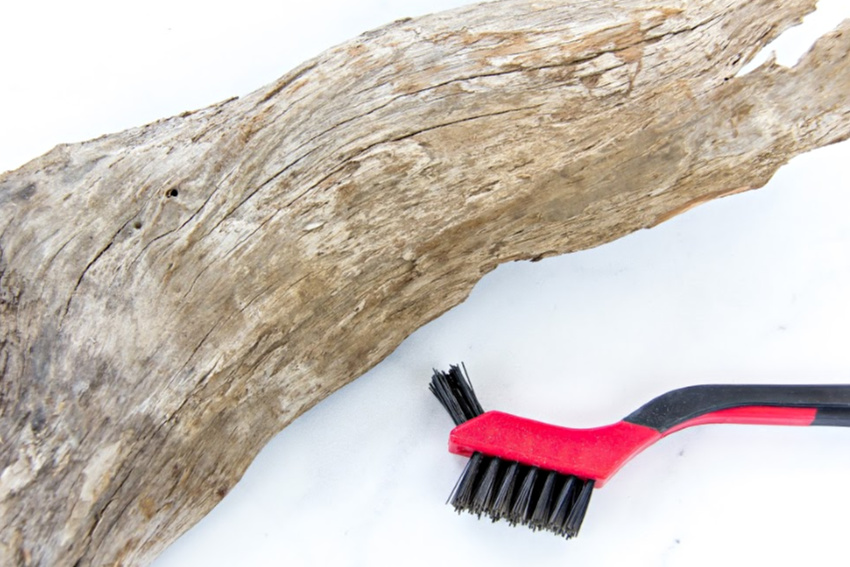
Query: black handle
[{"x": 831, "y": 401}]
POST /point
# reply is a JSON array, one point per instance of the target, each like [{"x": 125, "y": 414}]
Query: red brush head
[{"x": 590, "y": 454}]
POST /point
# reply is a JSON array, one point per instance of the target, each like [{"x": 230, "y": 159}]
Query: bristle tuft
[
  {"x": 530, "y": 496},
  {"x": 576, "y": 516},
  {"x": 454, "y": 390},
  {"x": 502, "y": 502},
  {"x": 522, "y": 503},
  {"x": 563, "y": 505},
  {"x": 461, "y": 497},
  {"x": 542, "y": 509},
  {"x": 484, "y": 492}
]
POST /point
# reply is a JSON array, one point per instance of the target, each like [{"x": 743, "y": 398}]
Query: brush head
[{"x": 501, "y": 489}]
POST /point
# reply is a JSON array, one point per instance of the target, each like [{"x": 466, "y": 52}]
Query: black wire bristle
[
  {"x": 563, "y": 505},
  {"x": 576, "y": 516},
  {"x": 502, "y": 503},
  {"x": 522, "y": 499},
  {"x": 454, "y": 390},
  {"x": 543, "y": 508},
  {"x": 538, "y": 498},
  {"x": 486, "y": 488},
  {"x": 461, "y": 497},
  {"x": 529, "y": 496}
]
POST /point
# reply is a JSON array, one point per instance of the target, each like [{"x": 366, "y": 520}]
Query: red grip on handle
[
  {"x": 595, "y": 453},
  {"x": 752, "y": 415}
]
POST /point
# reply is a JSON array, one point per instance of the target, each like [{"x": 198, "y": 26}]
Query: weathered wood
[{"x": 173, "y": 295}]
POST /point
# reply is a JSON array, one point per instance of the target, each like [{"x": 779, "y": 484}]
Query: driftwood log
[{"x": 174, "y": 295}]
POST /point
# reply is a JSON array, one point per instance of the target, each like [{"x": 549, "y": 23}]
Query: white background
[{"x": 751, "y": 288}]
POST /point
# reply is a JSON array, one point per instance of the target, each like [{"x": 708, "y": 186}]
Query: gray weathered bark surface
[{"x": 173, "y": 295}]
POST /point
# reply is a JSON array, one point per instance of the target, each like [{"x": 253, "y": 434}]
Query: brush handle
[
  {"x": 599, "y": 452},
  {"x": 746, "y": 404}
]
